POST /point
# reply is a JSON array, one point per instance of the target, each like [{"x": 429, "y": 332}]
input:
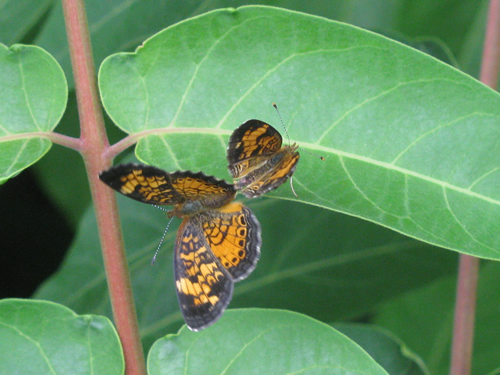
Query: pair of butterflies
[{"x": 218, "y": 242}]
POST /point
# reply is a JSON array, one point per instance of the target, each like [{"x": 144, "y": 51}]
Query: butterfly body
[
  {"x": 218, "y": 241},
  {"x": 257, "y": 160}
]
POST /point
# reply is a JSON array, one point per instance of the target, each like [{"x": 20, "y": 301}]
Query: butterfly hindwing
[
  {"x": 270, "y": 175},
  {"x": 233, "y": 233},
  {"x": 204, "y": 287}
]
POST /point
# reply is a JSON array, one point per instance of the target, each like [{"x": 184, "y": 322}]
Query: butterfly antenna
[
  {"x": 161, "y": 240},
  {"x": 282, "y": 123},
  {"x": 313, "y": 154},
  {"x": 159, "y": 207},
  {"x": 289, "y": 142}
]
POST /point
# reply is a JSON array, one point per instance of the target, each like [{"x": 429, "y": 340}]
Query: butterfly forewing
[
  {"x": 257, "y": 159},
  {"x": 143, "y": 183}
]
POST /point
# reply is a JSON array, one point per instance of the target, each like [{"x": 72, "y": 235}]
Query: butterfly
[
  {"x": 257, "y": 159},
  {"x": 218, "y": 242}
]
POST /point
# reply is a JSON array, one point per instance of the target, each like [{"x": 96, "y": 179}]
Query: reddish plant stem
[
  {"x": 465, "y": 308},
  {"x": 93, "y": 144},
  {"x": 491, "y": 49},
  {"x": 465, "y": 305}
]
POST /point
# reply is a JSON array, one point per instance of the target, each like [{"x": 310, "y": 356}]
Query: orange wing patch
[{"x": 233, "y": 233}]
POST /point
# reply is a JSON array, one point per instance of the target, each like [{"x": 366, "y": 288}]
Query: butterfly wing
[
  {"x": 234, "y": 235},
  {"x": 201, "y": 191},
  {"x": 204, "y": 287},
  {"x": 250, "y": 146},
  {"x": 143, "y": 183},
  {"x": 271, "y": 175}
]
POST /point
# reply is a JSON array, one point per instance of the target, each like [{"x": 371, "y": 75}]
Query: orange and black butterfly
[
  {"x": 257, "y": 159},
  {"x": 218, "y": 241}
]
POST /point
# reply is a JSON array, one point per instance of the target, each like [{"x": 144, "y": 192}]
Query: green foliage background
[{"x": 325, "y": 264}]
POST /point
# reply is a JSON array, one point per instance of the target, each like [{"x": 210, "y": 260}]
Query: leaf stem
[
  {"x": 60, "y": 139},
  {"x": 465, "y": 305},
  {"x": 112, "y": 151},
  {"x": 93, "y": 143}
]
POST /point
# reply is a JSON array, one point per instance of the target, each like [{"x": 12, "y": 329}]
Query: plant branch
[
  {"x": 94, "y": 142},
  {"x": 465, "y": 305}
]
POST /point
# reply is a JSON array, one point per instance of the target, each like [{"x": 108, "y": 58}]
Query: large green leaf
[
  {"x": 40, "y": 337},
  {"x": 315, "y": 261},
  {"x": 261, "y": 342},
  {"x": 34, "y": 95},
  {"x": 122, "y": 25},
  {"x": 410, "y": 142}
]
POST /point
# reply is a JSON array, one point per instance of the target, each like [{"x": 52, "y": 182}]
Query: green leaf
[
  {"x": 423, "y": 319},
  {"x": 17, "y": 17},
  {"x": 257, "y": 341},
  {"x": 389, "y": 352},
  {"x": 40, "y": 337},
  {"x": 34, "y": 94},
  {"x": 410, "y": 142},
  {"x": 314, "y": 261}
]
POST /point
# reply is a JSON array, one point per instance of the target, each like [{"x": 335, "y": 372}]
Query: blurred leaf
[
  {"x": 120, "y": 25},
  {"x": 259, "y": 341},
  {"x": 447, "y": 20},
  {"x": 472, "y": 49},
  {"x": 318, "y": 262},
  {"x": 17, "y": 17},
  {"x": 39, "y": 337},
  {"x": 410, "y": 142},
  {"x": 115, "y": 25},
  {"x": 431, "y": 46},
  {"x": 34, "y": 95},
  {"x": 423, "y": 319},
  {"x": 389, "y": 352}
]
